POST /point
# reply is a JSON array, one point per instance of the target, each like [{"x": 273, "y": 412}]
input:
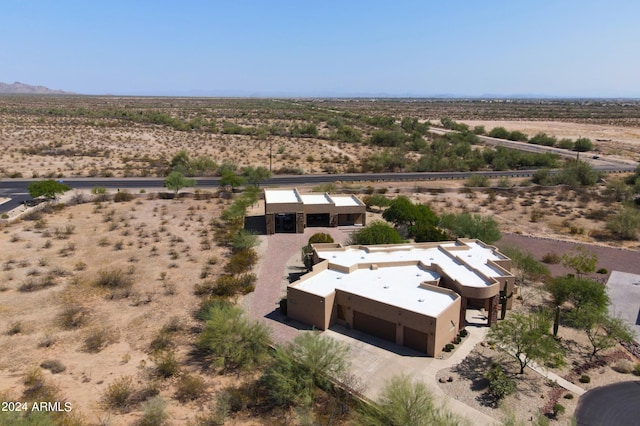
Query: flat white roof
[
  {"x": 315, "y": 199},
  {"x": 457, "y": 264},
  {"x": 398, "y": 286},
  {"x": 281, "y": 196},
  {"x": 342, "y": 201}
]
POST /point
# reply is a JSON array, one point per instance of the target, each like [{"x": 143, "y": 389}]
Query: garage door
[
  {"x": 375, "y": 326},
  {"x": 415, "y": 339},
  {"x": 318, "y": 219}
]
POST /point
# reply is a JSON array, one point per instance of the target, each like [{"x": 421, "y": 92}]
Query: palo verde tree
[
  {"x": 526, "y": 338},
  {"x": 176, "y": 181},
  {"x": 47, "y": 188},
  {"x": 255, "y": 175},
  {"x": 529, "y": 269},
  {"x": 230, "y": 179},
  {"x": 578, "y": 292},
  {"x": 602, "y": 330},
  {"x": 581, "y": 260}
]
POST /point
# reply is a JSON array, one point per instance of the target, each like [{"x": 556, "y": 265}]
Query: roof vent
[
  {"x": 420, "y": 300},
  {"x": 385, "y": 286}
]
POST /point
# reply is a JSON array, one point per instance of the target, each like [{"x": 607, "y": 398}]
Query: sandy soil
[{"x": 162, "y": 245}]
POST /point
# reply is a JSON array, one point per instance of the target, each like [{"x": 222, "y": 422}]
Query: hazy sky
[{"x": 314, "y": 48}]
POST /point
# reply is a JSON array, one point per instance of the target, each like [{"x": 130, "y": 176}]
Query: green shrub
[
  {"x": 477, "y": 181},
  {"x": 189, "y": 388},
  {"x": 463, "y": 333},
  {"x": 241, "y": 262},
  {"x": 603, "y": 271},
  {"x": 500, "y": 384},
  {"x": 585, "y": 379},
  {"x": 244, "y": 240},
  {"x": 636, "y": 369},
  {"x": 320, "y": 237},
  {"x": 449, "y": 347},
  {"x": 558, "y": 409},
  {"x": 233, "y": 340},
  {"x": 568, "y": 396}
]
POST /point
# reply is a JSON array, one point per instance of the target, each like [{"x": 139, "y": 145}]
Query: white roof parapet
[
  {"x": 316, "y": 198},
  {"x": 282, "y": 196},
  {"x": 458, "y": 264},
  {"x": 345, "y": 201},
  {"x": 394, "y": 285}
]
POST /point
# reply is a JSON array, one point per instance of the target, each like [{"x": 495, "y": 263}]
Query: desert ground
[{"x": 56, "y": 313}]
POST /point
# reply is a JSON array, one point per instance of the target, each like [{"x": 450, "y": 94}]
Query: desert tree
[
  {"x": 48, "y": 188},
  {"x": 578, "y": 292},
  {"x": 529, "y": 269},
  {"x": 176, "y": 181},
  {"x": 230, "y": 179},
  {"x": 255, "y": 175},
  {"x": 581, "y": 260},
  {"x": 526, "y": 338},
  {"x": 602, "y": 330},
  {"x": 180, "y": 162}
]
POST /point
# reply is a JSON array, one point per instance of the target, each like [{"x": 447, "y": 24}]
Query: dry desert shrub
[
  {"x": 95, "y": 340},
  {"x": 53, "y": 365},
  {"x": 623, "y": 366},
  {"x": 72, "y": 316},
  {"x": 119, "y": 393},
  {"x": 189, "y": 388}
]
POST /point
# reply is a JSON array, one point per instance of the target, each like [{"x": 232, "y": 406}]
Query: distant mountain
[{"x": 21, "y": 88}]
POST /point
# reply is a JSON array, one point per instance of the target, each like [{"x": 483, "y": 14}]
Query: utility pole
[{"x": 270, "y": 153}]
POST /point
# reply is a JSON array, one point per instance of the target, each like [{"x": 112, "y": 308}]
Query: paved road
[
  {"x": 16, "y": 189},
  {"x": 617, "y": 404},
  {"x": 601, "y": 161}
]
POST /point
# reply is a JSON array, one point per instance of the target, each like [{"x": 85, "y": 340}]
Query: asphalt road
[
  {"x": 16, "y": 189},
  {"x": 617, "y": 404},
  {"x": 602, "y": 160}
]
